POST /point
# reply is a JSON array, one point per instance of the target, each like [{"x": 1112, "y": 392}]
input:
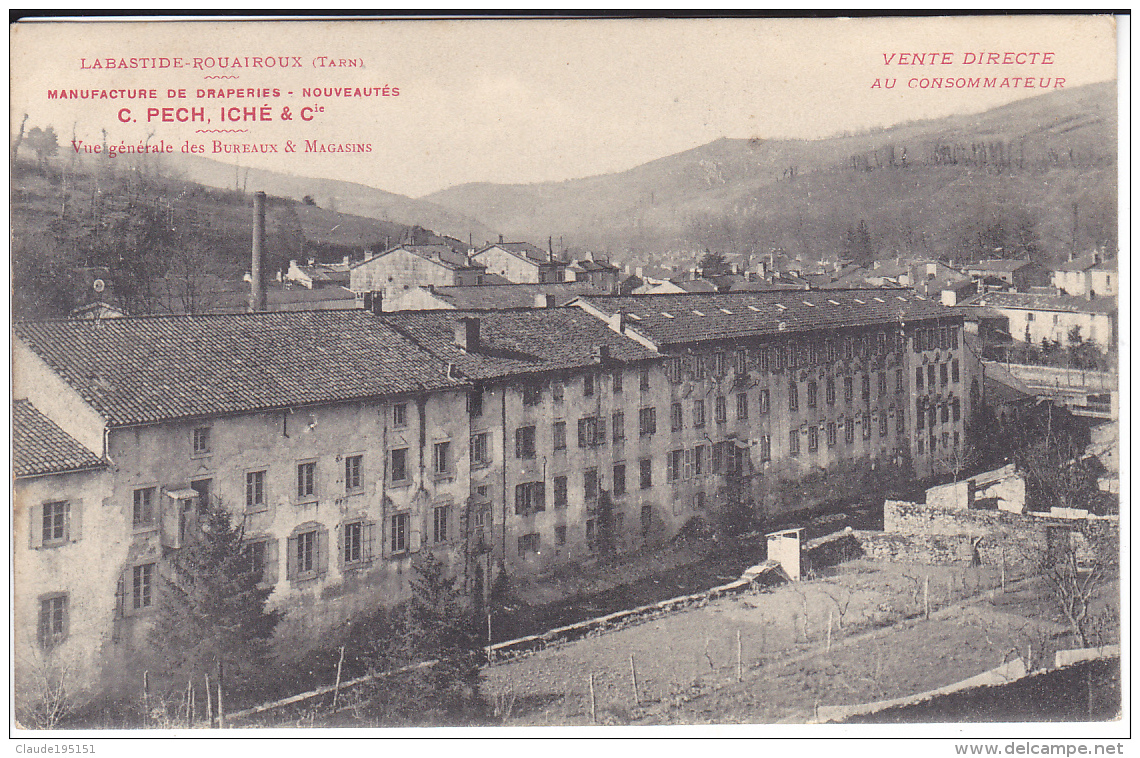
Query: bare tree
[{"x": 1075, "y": 588}]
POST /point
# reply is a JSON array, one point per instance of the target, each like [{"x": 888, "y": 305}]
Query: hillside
[
  {"x": 346, "y": 197},
  {"x": 930, "y": 187}
]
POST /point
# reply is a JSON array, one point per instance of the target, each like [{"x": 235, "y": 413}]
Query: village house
[
  {"x": 339, "y": 445},
  {"x": 1008, "y": 273},
  {"x": 1033, "y": 318},
  {"x": 319, "y": 275},
  {"x": 787, "y": 383},
  {"x": 597, "y": 273},
  {"x": 1088, "y": 275},
  {"x": 407, "y": 266},
  {"x": 521, "y": 263}
]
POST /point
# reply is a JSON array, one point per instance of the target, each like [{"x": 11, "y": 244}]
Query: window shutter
[
  {"x": 269, "y": 576},
  {"x": 74, "y": 521},
  {"x": 322, "y": 552},
  {"x": 369, "y": 540},
  {"x": 519, "y": 497},
  {"x": 518, "y": 443},
  {"x": 670, "y": 473},
  {"x": 36, "y": 530},
  {"x": 688, "y": 463},
  {"x": 291, "y": 558},
  {"x": 340, "y": 547}
]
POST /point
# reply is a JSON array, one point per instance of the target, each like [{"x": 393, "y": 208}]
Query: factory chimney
[{"x": 257, "y": 298}]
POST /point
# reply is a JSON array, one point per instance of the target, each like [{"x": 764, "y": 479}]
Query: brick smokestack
[{"x": 257, "y": 297}]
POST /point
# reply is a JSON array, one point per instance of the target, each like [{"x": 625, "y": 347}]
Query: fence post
[
  {"x": 633, "y": 679},
  {"x": 209, "y": 702},
  {"x": 146, "y": 694},
  {"x": 593, "y": 701},
  {"x": 829, "y": 620},
  {"x": 221, "y": 705},
  {"x": 739, "y": 658}
]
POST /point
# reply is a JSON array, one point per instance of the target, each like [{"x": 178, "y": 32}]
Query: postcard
[{"x": 381, "y": 373}]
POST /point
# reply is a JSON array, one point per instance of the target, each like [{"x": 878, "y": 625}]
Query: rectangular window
[
  {"x": 848, "y": 389},
  {"x": 54, "y": 524},
  {"x": 399, "y": 532},
  {"x": 619, "y": 426},
  {"x": 698, "y": 367},
  {"x": 898, "y": 381},
  {"x": 849, "y": 431},
  {"x": 560, "y": 435},
  {"x": 811, "y": 394},
  {"x": 742, "y": 406},
  {"x": 530, "y": 498},
  {"x": 765, "y": 448},
  {"x": 532, "y": 393},
  {"x": 475, "y": 403},
  {"x": 307, "y": 479},
  {"x": 866, "y": 426},
  {"x": 721, "y": 409},
  {"x": 955, "y": 376},
  {"x": 830, "y": 390},
  {"x": 673, "y": 370},
  {"x": 143, "y": 514},
  {"x": 201, "y": 440},
  {"x": 944, "y": 374},
  {"x": 590, "y": 484},
  {"x": 480, "y": 449},
  {"x": 353, "y": 543},
  {"x": 866, "y": 387},
  {"x": 953, "y": 338},
  {"x": 918, "y": 378},
  {"x": 717, "y": 457},
  {"x": 832, "y": 434},
  {"x": 647, "y": 421},
  {"x": 53, "y": 621},
  {"x": 400, "y": 415},
  {"x": 617, "y": 382},
  {"x": 398, "y": 464},
  {"x": 305, "y": 552},
  {"x": 945, "y": 413},
  {"x": 644, "y": 383},
  {"x": 439, "y": 523},
  {"x": 560, "y": 535},
  {"x": 793, "y": 396},
  {"x": 882, "y": 423},
  {"x": 560, "y": 492},
  {"x": 900, "y": 423},
  {"x": 721, "y": 364},
  {"x": 881, "y": 343},
  {"x": 813, "y": 438},
  {"x": 353, "y": 473},
  {"x": 674, "y": 465},
  {"x": 699, "y": 460},
  {"x": 557, "y": 392},
  {"x": 588, "y": 385},
  {"x": 957, "y": 406},
  {"x": 930, "y": 375},
  {"x": 794, "y": 442},
  {"x": 765, "y": 403},
  {"x": 698, "y": 413},
  {"x": 741, "y": 362},
  {"x": 142, "y": 579},
  {"x": 676, "y": 417},
  {"x": 254, "y": 490},
  {"x": 588, "y": 432},
  {"x": 882, "y": 384},
  {"x": 619, "y": 479},
  {"x": 763, "y": 359},
  {"x": 524, "y": 443},
  {"x": 258, "y": 558},
  {"x": 646, "y": 473},
  {"x": 944, "y": 337},
  {"x": 793, "y": 356},
  {"x": 646, "y": 519},
  {"x": 848, "y": 348}
]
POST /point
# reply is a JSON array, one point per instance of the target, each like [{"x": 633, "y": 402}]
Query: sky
[{"x": 513, "y": 101}]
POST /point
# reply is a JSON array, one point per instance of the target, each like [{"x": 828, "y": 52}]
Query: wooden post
[
  {"x": 829, "y": 619},
  {"x": 739, "y": 658},
  {"x": 189, "y": 704},
  {"x": 633, "y": 679},
  {"x": 209, "y": 702},
  {"x": 593, "y": 701},
  {"x": 221, "y": 703},
  {"x": 336, "y": 689},
  {"x": 926, "y": 596}
]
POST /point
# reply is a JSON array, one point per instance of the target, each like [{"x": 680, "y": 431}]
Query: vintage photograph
[{"x": 568, "y": 372}]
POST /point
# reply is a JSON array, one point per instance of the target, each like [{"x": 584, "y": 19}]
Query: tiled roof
[
  {"x": 41, "y": 447},
  {"x": 233, "y": 297},
  {"x": 1025, "y": 301},
  {"x": 525, "y": 250},
  {"x": 139, "y": 370},
  {"x": 500, "y": 296},
  {"x": 521, "y": 341},
  {"x": 587, "y": 265},
  {"x": 1002, "y": 264},
  {"x": 439, "y": 254},
  {"x": 674, "y": 319}
]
